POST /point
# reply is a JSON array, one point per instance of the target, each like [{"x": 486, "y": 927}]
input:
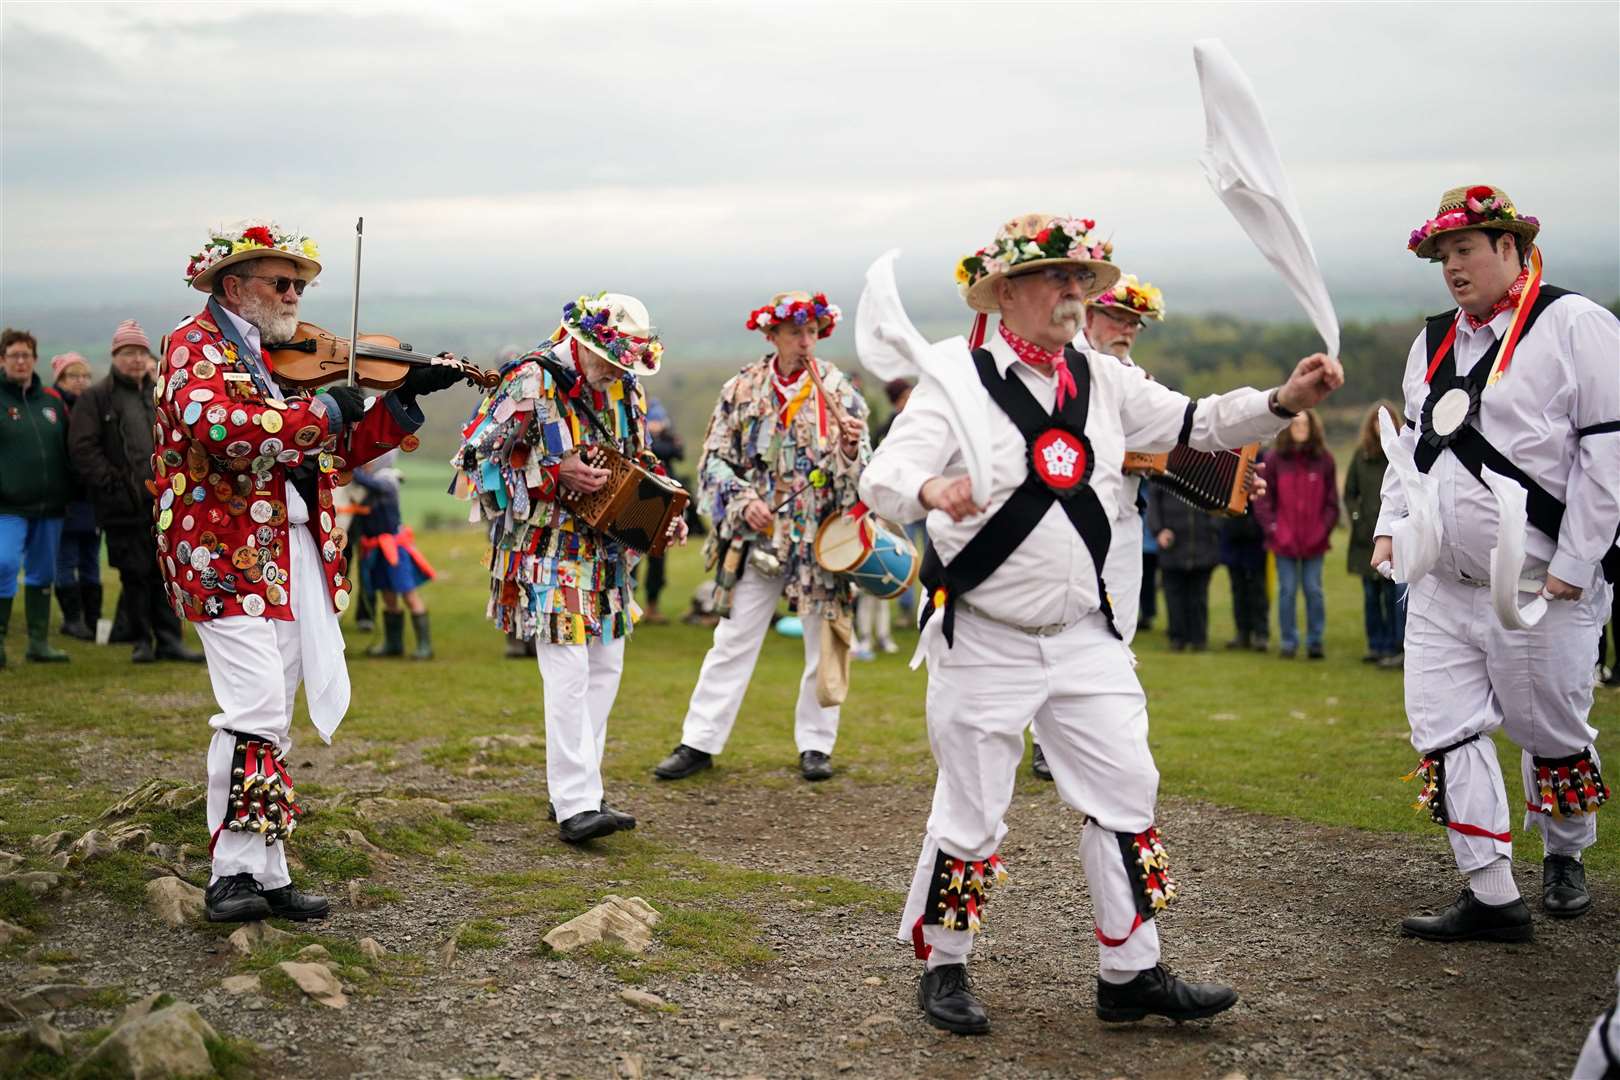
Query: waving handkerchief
[
  {"x": 1507, "y": 557},
  {"x": 1416, "y": 537},
  {"x": 1243, "y": 166},
  {"x": 890, "y": 347}
]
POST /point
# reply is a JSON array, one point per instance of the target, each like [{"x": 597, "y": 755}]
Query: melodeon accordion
[
  {"x": 1217, "y": 482},
  {"x": 634, "y": 506}
]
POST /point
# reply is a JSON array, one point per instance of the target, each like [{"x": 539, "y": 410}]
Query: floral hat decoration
[
  {"x": 1479, "y": 207},
  {"x": 798, "y": 308},
  {"x": 617, "y": 328},
  {"x": 1028, "y": 243},
  {"x": 1137, "y": 297},
  {"x": 254, "y": 238}
]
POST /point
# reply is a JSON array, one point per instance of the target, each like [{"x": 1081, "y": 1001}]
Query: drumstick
[{"x": 832, "y": 403}]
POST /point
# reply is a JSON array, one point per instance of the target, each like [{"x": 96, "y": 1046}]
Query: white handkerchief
[
  {"x": 1507, "y": 557},
  {"x": 1416, "y": 537}
]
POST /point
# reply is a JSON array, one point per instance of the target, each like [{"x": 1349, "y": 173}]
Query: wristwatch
[{"x": 1275, "y": 405}]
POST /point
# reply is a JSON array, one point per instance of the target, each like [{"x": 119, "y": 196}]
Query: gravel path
[{"x": 1300, "y": 918}]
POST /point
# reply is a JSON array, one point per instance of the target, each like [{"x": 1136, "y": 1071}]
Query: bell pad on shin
[
  {"x": 1567, "y": 786},
  {"x": 1148, "y": 867},
  {"x": 1431, "y": 775},
  {"x": 959, "y": 889},
  {"x": 262, "y": 799}
]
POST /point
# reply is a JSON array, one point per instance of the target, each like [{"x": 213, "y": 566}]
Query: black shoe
[
  {"x": 1160, "y": 993},
  {"x": 814, "y": 765},
  {"x": 1038, "y": 766},
  {"x": 1315, "y": 653},
  {"x": 288, "y": 903},
  {"x": 1260, "y": 644},
  {"x": 1178, "y": 646},
  {"x": 1286, "y": 653},
  {"x": 625, "y": 822},
  {"x": 948, "y": 1002},
  {"x": 143, "y": 653},
  {"x": 587, "y": 825},
  {"x": 179, "y": 653},
  {"x": 682, "y": 762},
  {"x": 1239, "y": 642},
  {"x": 1372, "y": 658},
  {"x": 236, "y": 898},
  {"x": 1563, "y": 887},
  {"x": 1468, "y": 919}
]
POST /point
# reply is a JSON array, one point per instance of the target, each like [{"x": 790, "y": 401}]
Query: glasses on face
[
  {"x": 1124, "y": 322},
  {"x": 282, "y": 284}
]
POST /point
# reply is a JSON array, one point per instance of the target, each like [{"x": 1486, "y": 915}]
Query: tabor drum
[{"x": 857, "y": 546}]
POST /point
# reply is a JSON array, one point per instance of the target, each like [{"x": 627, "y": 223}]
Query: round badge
[
  {"x": 1451, "y": 410},
  {"x": 198, "y": 494},
  {"x": 306, "y": 435},
  {"x": 289, "y": 457},
  {"x": 211, "y": 352},
  {"x": 192, "y": 413},
  {"x": 326, "y": 498},
  {"x": 275, "y": 594},
  {"x": 265, "y": 535},
  {"x": 252, "y": 604},
  {"x": 272, "y": 447},
  {"x": 238, "y": 447},
  {"x": 326, "y": 521},
  {"x": 172, "y": 458},
  {"x": 1061, "y": 459},
  {"x": 179, "y": 356},
  {"x": 207, "y": 539},
  {"x": 162, "y": 542},
  {"x": 188, "y": 523},
  {"x": 217, "y": 432},
  {"x": 165, "y": 518},
  {"x": 199, "y": 559},
  {"x": 324, "y": 460},
  {"x": 213, "y": 607},
  {"x": 182, "y": 550},
  {"x": 216, "y": 516},
  {"x": 177, "y": 483},
  {"x": 262, "y": 463},
  {"x": 260, "y": 511},
  {"x": 215, "y": 413},
  {"x": 202, "y": 393},
  {"x": 236, "y": 505},
  {"x": 238, "y": 417},
  {"x": 253, "y": 574},
  {"x": 271, "y": 421},
  {"x": 340, "y": 600},
  {"x": 278, "y": 513},
  {"x": 203, "y": 369},
  {"x": 243, "y": 557},
  {"x": 166, "y": 500},
  {"x": 328, "y": 551},
  {"x": 409, "y": 443},
  {"x": 208, "y": 577},
  {"x": 194, "y": 336},
  {"x": 277, "y": 403},
  {"x": 168, "y": 564}
]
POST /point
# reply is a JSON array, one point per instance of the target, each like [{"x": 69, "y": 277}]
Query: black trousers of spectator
[
  {"x": 655, "y": 579},
  {"x": 1251, "y": 610},
  {"x": 1186, "y": 605},
  {"x": 133, "y": 553},
  {"x": 1148, "y": 607}
]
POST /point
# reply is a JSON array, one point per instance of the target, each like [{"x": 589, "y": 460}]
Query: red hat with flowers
[
  {"x": 1480, "y": 206},
  {"x": 796, "y": 308}
]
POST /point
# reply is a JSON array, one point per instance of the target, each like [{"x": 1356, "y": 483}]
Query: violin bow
[{"x": 354, "y": 312}]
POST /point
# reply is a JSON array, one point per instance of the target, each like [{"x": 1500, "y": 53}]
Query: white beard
[{"x": 275, "y": 323}]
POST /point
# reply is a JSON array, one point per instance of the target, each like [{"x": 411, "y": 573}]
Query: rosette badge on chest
[{"x": 1061, "y": 459}]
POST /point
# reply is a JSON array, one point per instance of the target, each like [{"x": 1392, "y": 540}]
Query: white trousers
[
  {"x": 730, "y": 664},
  {"x": 1601, "y": 1052},
  {"x": 1467, "y": 674},
  {"x": 579, "y": 683},
  {"x": 981, "y": 695},
  {"x": 1122, "y": 573},
  {"x": 255, "y": 665}
]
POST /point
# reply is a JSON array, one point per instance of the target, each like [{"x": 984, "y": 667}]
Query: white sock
[
  {"x": 946, "y": 947},
  {"x": 1493, "y": 883},
  {"x": 1115, "y": 976}
]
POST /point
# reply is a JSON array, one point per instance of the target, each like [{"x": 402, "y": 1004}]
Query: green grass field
[{"x": 1323, "y": 741}]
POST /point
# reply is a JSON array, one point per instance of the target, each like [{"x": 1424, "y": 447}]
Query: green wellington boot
[
  {"x": 424, "y": 637},
  {"x": 393, "y": 642},
  {"x": 37, "y": 611}
]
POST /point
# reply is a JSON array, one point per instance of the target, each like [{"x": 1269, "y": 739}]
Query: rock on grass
[
  {"x": 617, "y": 921},
  {"x": 167, "y": 1042},
  {"x": 317, "y": 981},
  {"x": 176, "y": 902},
  {"x": 249, "y": 937}
]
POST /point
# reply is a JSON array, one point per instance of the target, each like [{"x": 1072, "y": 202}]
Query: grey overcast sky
[{"x": 544, "y": 148}]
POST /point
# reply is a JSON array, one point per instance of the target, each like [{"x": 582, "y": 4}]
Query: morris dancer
[
  {"x": 1113, "y": 321},
  {"x": 244, "y": 476},
  {"x": 1018, "y": 623},
  {"x": 554, "y": 579},
  {"x": 1520, "y": 379},
  {"x": 776, "y": 463}
]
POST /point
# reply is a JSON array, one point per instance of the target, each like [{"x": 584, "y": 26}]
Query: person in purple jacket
[{"x": 1298, "y": 511}]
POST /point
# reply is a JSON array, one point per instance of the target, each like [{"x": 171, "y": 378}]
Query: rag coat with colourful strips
[
  {"x": 553, "y": 579},
  {"x": 223, "y": 449}
]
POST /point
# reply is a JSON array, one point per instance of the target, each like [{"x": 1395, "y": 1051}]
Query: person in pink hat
[
  {"x": 78, "y": 555},
  {"x": 110, "y": 440}
]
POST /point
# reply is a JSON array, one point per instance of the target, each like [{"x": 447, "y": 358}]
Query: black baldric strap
[
  {"x": 1545, "y": 511},
  {"x": 1011, "y": 525}
]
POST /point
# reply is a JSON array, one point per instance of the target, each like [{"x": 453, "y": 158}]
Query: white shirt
[
  {"x": 1050, "y": 578},
  {"x": 1565, "y": 375}
]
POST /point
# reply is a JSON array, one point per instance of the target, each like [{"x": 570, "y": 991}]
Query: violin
[{"x": 316, "y": 357}]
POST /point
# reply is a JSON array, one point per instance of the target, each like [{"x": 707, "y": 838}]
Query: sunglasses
[{"x": 282, "y": 284}]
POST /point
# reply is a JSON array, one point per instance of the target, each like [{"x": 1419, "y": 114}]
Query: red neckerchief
[
  {"x": 1507, "y": 302},
  {"x": 781, "y": 387},
  {"x": 1037, "y": 357},
  {"x": 598, "y": 399}
]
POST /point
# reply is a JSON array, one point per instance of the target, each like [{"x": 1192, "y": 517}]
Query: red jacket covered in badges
[{"x": 223, "y": 451}]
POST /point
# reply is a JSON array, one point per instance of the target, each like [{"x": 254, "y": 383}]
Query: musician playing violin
[
  {"x": 534, "y": 446},
  {"x": 244, "y": 473}
]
